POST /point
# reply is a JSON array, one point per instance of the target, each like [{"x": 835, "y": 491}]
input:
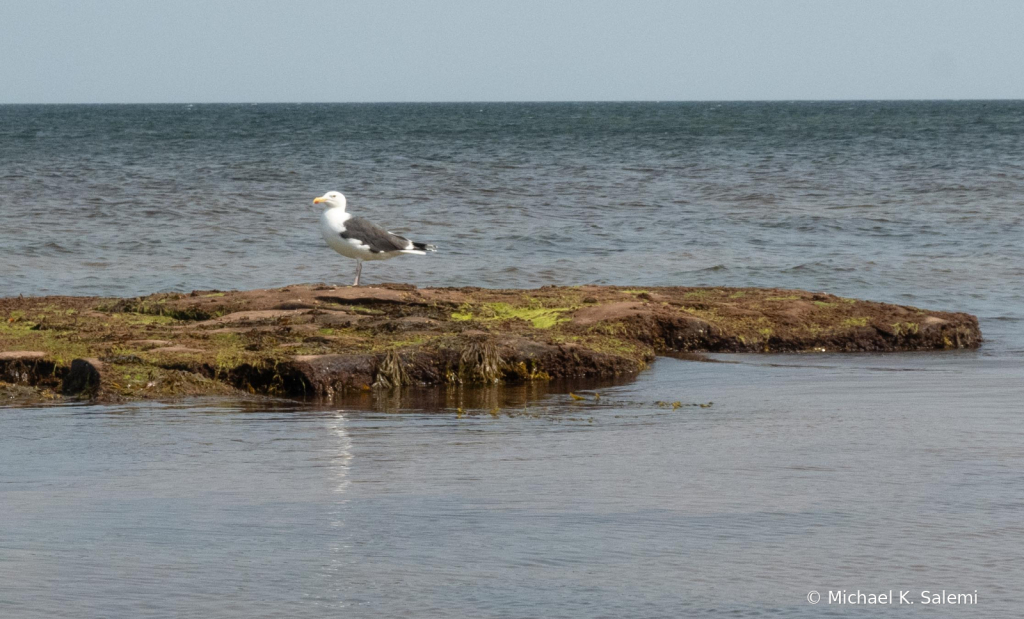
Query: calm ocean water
[{"x": 870, "y": 472}]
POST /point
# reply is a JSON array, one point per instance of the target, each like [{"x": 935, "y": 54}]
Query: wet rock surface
[{"x": 321, "y": 341}]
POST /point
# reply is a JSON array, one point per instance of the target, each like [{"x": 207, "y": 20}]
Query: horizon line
[{"x": 532, "y": 101}]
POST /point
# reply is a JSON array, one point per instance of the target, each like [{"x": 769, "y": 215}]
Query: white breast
[{"x": 332, "y": 224}]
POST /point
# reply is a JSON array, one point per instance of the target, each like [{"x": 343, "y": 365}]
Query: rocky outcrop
[{"x": 320, "y": 341}]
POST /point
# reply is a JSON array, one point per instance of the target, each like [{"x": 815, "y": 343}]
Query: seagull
[{"x": 359, "y": 239}]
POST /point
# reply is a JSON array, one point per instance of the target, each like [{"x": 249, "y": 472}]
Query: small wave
[
  {"x": 766, "y": 198},
  {"x": 844, "y": 207},
  {"x": 57, "y": 248},
  {"x": 711, "y": 269}
]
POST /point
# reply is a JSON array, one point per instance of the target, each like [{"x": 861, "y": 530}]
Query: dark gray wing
[{"x": 376, "y": 238}]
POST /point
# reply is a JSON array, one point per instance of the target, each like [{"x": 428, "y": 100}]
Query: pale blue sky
[{"x": 87, "y": 51}]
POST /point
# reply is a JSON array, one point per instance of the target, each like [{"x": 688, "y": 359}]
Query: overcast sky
[{"x": 476, "y": 50}]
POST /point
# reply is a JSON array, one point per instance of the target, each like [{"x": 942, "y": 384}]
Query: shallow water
[
  {"x": 823, "y": 472},
  {"x": 834, "y": 475}
]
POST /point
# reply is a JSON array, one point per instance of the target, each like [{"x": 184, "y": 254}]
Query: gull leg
[{"x": 359, "y": 271}]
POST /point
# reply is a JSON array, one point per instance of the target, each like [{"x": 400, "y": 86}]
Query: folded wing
[{"x": 368, "y": 235}]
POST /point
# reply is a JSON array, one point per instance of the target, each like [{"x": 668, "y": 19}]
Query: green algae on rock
[{"x": 321, "y": 341}]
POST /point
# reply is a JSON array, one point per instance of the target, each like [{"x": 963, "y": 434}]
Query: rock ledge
[{"x": 321, "y": 341}]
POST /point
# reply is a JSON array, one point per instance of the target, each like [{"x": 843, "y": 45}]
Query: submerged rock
[{"x": 321, "y": 341}]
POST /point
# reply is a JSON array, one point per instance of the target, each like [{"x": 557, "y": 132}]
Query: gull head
[{"x": 331, "y": 199}]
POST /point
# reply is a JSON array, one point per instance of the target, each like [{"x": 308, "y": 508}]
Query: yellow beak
[{"x": 319, "y": 200}]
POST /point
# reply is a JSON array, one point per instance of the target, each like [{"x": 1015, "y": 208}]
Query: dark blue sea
[{"x": 824, "y": 473}]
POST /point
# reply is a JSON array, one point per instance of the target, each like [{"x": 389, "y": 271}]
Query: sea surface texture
[{"x": 811, "y": 472}]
